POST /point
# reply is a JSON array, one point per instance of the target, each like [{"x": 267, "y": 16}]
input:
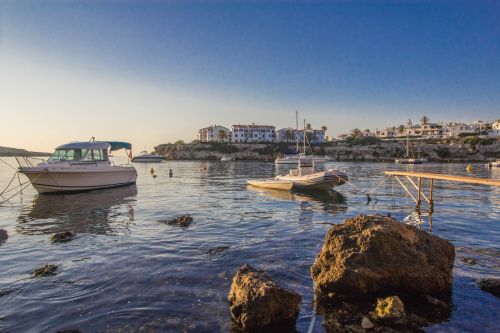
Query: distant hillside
[{"x": 7, "y": 151}]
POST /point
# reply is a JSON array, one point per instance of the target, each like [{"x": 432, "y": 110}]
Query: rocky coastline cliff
[{"x": 379, "y": 152}]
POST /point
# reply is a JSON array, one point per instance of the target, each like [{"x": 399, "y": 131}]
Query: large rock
[
  {"x": 372, "y": 254},
  {"x": 3, "y": 236},
  {"x": 256, "y": 301}
]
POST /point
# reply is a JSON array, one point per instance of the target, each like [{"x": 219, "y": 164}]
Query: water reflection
[
  {"x": 330, "y": 201},
  {"x": 88, "y": 212}
]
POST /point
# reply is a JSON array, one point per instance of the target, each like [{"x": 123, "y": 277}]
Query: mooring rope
[
  {"x": 10, "y": 182},
  {"x": 8, "y": 164},
  {"x": 22, "y": 188},
  {"x": 358, "y": 188}
]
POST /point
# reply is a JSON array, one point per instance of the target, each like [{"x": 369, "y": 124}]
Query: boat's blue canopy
[
  {"x": 85, "y": 145},
  {"x": 116, "y": 145}
]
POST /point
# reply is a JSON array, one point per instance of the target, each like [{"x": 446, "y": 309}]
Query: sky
[{"x": 152, "y": 72}]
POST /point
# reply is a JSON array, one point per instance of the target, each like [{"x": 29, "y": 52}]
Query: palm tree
[
  {"x": 222, "y": 135},
  {"x": 288, "y": 134},
  {"x": 401, "y": 129},
  {"x": 324, "y": 128},
  {"x": 424, "y": 120},
  {"x": 355, "y": 133},
  {"x": 308, "y": 126}
]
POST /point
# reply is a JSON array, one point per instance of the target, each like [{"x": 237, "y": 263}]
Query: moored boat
[
  {"x": 305, "y": 177},
  {"x": 144, "y": 157},
  {"x": 226, "y": 158},
  {"x": 80, "y": 166},
  {"x": 493, "y": 164}
]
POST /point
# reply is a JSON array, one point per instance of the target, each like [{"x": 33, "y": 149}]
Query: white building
[
  {"x": 253, "y": 133},
  {"x": 495, "y": 131},
  {"x": 453, "y": 130},
  {"x": 214, "y": 133},
  {"x": 291, "y": 135}
]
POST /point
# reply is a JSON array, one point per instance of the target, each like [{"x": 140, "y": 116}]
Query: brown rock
[
  {"x": 183, "y": 221},
  {"x": 371, "y": 254},
  {"x": 256, "y": 301},
  {"x": 45, "y": 270},
  {"x": 490, "y": 285},
  {"x": 62, "y": 237},
  {"x": 3, "y": 236},
  {"x": 389, "y": 308}
]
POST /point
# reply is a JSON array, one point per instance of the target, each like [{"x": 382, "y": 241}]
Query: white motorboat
[
  {"x": 493, "y": 164},
  {"x": 226, "y": 158},
  {"x": 79, "y": 166},
  {"x": 304, "y": 176},
  {"x": 144, "y": 157}
]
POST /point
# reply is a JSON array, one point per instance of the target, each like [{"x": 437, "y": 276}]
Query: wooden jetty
[{"x": 431, "y": 177}]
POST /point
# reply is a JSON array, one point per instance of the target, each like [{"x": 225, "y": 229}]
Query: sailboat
[
  {"x": 293, "y": 159},
  {"x": 408, "y": 159},
  {"x": 304, "y": 176}
]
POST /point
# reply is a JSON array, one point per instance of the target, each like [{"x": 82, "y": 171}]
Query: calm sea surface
[{"x": 128, "y": 271}]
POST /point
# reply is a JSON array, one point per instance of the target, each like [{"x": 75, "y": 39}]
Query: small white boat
[
  {"x": 493, "y": 164},
  {"x": 144, "y": 157},
  {"x": 226, "y": 158},
  {"x": 274, "y": 184},
  {"x": 293, "y": 159},
  {"x": 79, "y": 166},
  {"x": 409, "y": 160},
  {"x": 304, "y": 176}
]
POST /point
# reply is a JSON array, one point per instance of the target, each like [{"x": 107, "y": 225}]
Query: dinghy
[{"x": 271, "y": 183}]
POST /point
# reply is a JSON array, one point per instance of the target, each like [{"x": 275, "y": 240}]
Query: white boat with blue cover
[
  {"x": 144, "y": 157},
  {"x": 80, "y": 166}
]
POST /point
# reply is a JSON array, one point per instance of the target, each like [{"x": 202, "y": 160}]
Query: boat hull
[
  {"x": 317, "y": 181},
  {"x": 54, "y": 181},
  {"x": 139, "y": 159},
  {"x": 272, "y": 184}
]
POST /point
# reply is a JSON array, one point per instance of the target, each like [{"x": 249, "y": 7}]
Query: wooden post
[
  {"x": 419, "y": 201},
  {"x": 431, "y": 201}
]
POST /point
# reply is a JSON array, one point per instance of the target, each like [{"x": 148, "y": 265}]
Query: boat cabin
[{"x": 83, "y": 152}]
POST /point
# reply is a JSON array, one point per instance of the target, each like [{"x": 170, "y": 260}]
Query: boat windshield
[{"x": 79, "y": 155}]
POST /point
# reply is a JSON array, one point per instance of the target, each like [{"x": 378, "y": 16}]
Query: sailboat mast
[
  {"x": 304, "y": 137},
  {"x": 297, "y": 131},
  {"x": 407, "y": 145}
]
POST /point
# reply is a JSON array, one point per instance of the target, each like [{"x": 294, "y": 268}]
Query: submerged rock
[
  {"x": 372, "y": 254},
  {"x": 470, "y": 261},
  {"x": 62, "y": 237},
  {"x": 45, "y": 270},
  {"x": 389, "y": 308},
  {"x": 216, "y": 250},
  {"x": 182, "y": 220},
  {"x": 3, "y": 236},
  {"x": 490, "y": 285},
  {"x": 256, "y": 301}
]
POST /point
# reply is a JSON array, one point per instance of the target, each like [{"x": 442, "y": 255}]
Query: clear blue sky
[{"x": 155, "y": 71}]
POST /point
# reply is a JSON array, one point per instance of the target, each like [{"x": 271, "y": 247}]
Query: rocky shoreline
[
  {"x": 385, "y": 151},
  {"x": 373, "y": 274}
]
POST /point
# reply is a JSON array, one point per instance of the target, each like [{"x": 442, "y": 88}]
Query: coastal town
[{"x": 423, "y": 129}]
